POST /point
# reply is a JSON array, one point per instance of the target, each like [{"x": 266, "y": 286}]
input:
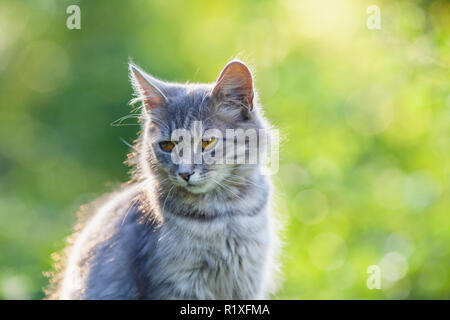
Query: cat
[{"x": 180, "y": 230}]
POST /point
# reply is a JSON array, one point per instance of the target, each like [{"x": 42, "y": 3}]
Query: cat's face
[{"x": 194, "y": 134}]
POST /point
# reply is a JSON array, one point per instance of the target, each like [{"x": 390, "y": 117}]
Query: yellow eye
[
  {"x": 167, "y": 145},
  {"x": 208, "y": 144}
]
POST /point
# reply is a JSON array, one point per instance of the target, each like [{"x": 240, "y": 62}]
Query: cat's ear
[
  {"x": 148, "y": 89},
  {"x": 235, "y": 83}
]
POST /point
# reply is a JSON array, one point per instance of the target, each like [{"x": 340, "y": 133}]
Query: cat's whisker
[
  {"x": 128, "y": 144},
  {"x": 228, "y": 189},
  {"x": 243, "y": 179},
  {"x": 133, "y": 202},
  {"x": 240, "y": 183},
  {"x": 118, "y": 122},
  {"x": 168, "y": 195}
]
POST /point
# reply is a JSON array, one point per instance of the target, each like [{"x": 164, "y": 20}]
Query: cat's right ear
[{"x": 147, "y": 89}]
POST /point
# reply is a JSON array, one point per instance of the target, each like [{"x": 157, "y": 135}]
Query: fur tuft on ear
[
  {"x": 235, "y": 82},
  {"x": 147, "y": 89}
]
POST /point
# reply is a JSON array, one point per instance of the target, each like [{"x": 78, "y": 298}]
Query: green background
[{"x": 364, "y": 114}]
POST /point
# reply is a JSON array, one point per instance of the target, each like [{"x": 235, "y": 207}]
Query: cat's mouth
[
  {"x": 195, "y": 184},
  {"x": 196, "y": 187}
]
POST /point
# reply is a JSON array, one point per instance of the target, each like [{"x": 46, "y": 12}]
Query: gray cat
[{"x": 181, "y": 229}]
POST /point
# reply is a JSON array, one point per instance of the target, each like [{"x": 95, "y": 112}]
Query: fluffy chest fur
[{"x": 225, "y": 259}]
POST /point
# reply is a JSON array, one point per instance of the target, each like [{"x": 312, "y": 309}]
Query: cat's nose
[{"x": 185, "y": 175}]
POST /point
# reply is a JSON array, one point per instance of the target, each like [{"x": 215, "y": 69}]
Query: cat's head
[{"x": 200, "y": 136}]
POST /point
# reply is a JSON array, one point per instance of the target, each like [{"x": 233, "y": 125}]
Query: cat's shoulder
[{"x": 99, "y": 224}]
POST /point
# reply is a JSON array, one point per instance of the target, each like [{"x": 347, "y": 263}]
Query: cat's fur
[{"x": 157, "y": 238}]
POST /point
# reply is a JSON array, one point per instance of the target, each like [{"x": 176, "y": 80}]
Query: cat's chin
[{"x": 197, "y": 189}]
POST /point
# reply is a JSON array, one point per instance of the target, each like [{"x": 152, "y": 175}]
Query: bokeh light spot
[
  {"x": 327, "y": 251},
  {"x": 311, "y": 206},
  {"x": 398, "y": 242},
  {"x": 15, "y": 287},
  {"x": 394, "y": 266},
  {"x": 420, "y": 191}
]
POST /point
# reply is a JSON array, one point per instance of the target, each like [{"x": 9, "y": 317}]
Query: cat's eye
[
  {"x": 208, "y": 144},
  {"x": 167, "y": 145}
]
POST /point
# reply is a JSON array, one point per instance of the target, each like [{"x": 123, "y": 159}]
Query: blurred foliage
[{"x": 365, "y": 163}]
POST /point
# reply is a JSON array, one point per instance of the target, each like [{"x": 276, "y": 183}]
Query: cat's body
[{"x": 209, "y": 236}]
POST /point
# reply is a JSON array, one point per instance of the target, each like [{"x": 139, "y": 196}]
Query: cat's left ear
[
  {"x": 147, "y": 88},
  {"x": 235, "y": 83}
]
